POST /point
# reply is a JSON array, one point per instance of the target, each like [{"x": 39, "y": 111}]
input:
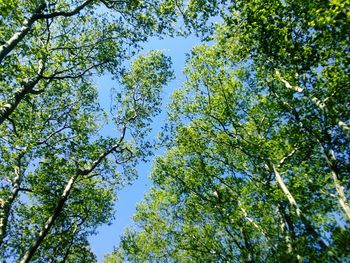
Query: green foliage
[
  {"x": 257, "y": 160},
  {"x": 59, "y": 175}
]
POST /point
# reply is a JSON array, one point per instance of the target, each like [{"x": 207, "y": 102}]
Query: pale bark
[
  {"x": 287, "y": 238},
  {"x": 286, "y": 191},
  {"x": 287, "y": 228},
  {"x": 308, "y": 226},
  {"x": 49, "y": 223},
  {"x": 339, "y": 188},
  {"x": 65, "y": 195},
  {"x": 10, "y": 44},
  {"x": 250, "y": 220},
  {"x": 344, "y": 203},
  {"x": 5, "y": 205},
  {"x": 345, "y": 128},
  {"x": 13, "y": 102}
]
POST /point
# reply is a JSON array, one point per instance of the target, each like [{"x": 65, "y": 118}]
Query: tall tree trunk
[
  {"x": 308, "y": 226},
  {"x": 5, "y": 205},
  {"x": 49, "y": 223},
  {"x": 10, "y": 44},
  {"x": 331, "y": 162},
  {"x": 13, "y": 102},
  {"x": 63, "y": 198},
  {"x": 288, "y": 237},
  {"x": 345, "y": 128}
]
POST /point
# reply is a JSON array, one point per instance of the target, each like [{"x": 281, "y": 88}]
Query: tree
[
  {"x": 257, "y": 159},
  {"x": 59, "y": 175}
]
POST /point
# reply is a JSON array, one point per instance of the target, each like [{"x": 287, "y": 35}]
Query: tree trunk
[
  {"x": 5, "y": 205},
  {"x": 308, "y": 226},
  {"x": 10, "y": 44},
  {"x": 339, "y": 188},
  {"x": 345, "y": 128},
  {"x": 49, "y": 223},
  {"x": 12, "y": 104}
]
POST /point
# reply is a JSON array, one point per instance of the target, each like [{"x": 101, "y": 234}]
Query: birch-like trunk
[
  {"x": 13, "y": 102},
  {"x": 5, "y": 205},
  {"x": 49, "y": 223},
  {"x": 308, "y": 226},
  {"x": 10, "y": 44},
  {"x": 345, "y": 128},
  {"x": 338, "y": 187},
  {"x": 287, "y": 236}
]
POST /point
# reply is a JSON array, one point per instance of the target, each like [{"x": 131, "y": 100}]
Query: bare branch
[
  {"x": 94, "y": 164},
  {"x": 63, "y": 13}
]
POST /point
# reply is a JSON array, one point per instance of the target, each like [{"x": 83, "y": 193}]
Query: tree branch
[
  {"x": 345, "y": 128},
  {"x": 28, "y": 88},
  {"x": 9, "y": 45},
  {"x": 64, "y": 14}
]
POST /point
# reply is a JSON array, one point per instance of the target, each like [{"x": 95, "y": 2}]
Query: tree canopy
[
  {"x": 59, "y": 175},
  {"x": 257, "y": 160},
  {"x": 256, "y": 167}
]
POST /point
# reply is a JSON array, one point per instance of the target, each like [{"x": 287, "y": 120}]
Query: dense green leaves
[
  {"x": 59, "y": 176},
  {"x": 257, "y": 143},
  {"x": 257, "y": 160},
  {"x": 56, "y": 143}
]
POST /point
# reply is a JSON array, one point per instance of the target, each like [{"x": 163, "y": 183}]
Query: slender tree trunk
[
  {"x": 344, "y": 203},
  {"x": 63, "y": 198},
  {"x": 288, "y": 238},
  {"x": 12, "y": 104},
  {"x": 345, "y": 128},
  {"x": 10, "y": 44},
  {"x": 50, "y": 222},
  {"x": 342, "y": 197},
  {"x": 339, "y": 188},
  {"x": 5, "y": 205},
  {"x": 287, "y": 228},
  {"x": 308, "y": 226},
  {"x": 250, "y": 220}
]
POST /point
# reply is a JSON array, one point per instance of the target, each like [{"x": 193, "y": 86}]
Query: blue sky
[{"x": 109, "y": 236}]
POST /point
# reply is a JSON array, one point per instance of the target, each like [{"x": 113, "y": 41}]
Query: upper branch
[
  {"x": 94, "y": 164},
  {"x": 9, "y": 45},
  {"x": 64, "y": 14},
  {"x": 344, "y": 127}
]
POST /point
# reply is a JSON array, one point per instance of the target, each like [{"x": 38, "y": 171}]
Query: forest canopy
[
  {"x": 256, "y": 167},
  {"x": 256, "y": 163}
]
